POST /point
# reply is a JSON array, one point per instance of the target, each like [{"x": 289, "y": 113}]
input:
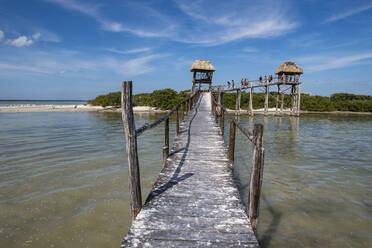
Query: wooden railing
[
  {"x": 131, "y": 134},
  {"x": 219, "y": 112}
]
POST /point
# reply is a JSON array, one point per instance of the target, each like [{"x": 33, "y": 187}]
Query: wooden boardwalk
[{"x": 194, "y": 202}]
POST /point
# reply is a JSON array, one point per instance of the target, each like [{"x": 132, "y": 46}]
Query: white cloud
[
  {"x": 350, "y": 12},
  {"x": 1, "y": 35},
  {"x": 324, "y": 62},
  {"x": 196, "y": 23},
  {"x": 36, "y": 36},
  {"x": 21, "y": 41},
  {"x": 131, "y": 51},
  {"x": 139, "y": 65}
]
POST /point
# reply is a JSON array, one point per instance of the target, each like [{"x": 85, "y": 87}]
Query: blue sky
[{"x": 75, "y": 49}]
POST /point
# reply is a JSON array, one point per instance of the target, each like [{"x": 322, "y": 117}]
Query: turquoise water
[{"x": 63, "y": 179}]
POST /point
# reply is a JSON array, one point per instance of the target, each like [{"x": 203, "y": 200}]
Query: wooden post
[
  {"x": 251, "y": 100},
  {"x": 182, "y": 112},
  {"x": 131, "y": 147},
  {"x": 232, "y": 141},
  {"x": 166, "y": 142},
  {"x": 277, "y": 100},
  {"x": 292, "y": 99},
  {"x": 222, "y": 120},
  {"x": 256, "y": 176},
  {"x": 237, "y": 100},
  {"x": 177, "y": 123},
  {"x": 282, "y": 104},
  {"x": 266, "y": 98},
  {"x": 298, "y": 100}
]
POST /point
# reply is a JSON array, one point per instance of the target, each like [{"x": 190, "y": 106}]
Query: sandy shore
[
  {"x": 142, "y": 109},
  {"x": 73, "y": 108}
]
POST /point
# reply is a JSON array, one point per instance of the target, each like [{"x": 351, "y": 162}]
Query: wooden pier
[{"x": 194, "y": 202}]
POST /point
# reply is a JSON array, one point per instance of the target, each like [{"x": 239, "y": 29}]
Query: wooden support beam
[
  {"x": 232, "y": 141},
  {"x": 131, "y": 147},
  {"x": 266, "y": 99},
  {"x": 282, "y": 103},
  {"x": 256, "y": 176},
  {"x": 237, "y": 100},
  {"x": 251, "y": 100},
  {"x": 182, "y": 112},
  {"x": 222, "y": 116},
  {"x": 166, "y": 142},
  {"x": 277, "y": 100},
  {"x": 177, "y": 122},
  {"x": 298, "y": 100}
]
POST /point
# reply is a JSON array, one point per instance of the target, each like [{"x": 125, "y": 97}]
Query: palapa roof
[
  {"x": 202, "y": 65},
  {"x": 289, "y": 67}
]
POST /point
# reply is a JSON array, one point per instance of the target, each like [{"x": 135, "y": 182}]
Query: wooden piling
[
  {"x": 177, "y": 123},
  {"x": 222, "y": 119},
  {"x": 277, "y": 100},
  {"x": 282, "y": 103},
  {"x": 266, "y": 98},
  {"x": 166, "y": 142},
  {"x": 131, "y": 147},
  {"x": 298, "y": 100},
  {"x": 232, "y": 141},
  {"x": 182, "y": 112},
  {"x": 256, "y": 176},
  {"x": 237, "y": 100},
  {"x": 251, "y": 100}
]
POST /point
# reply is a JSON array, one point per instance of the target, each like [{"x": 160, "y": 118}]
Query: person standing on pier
[
  {"x": 265, "y": 79},
  {"x": 228, "y": 84},
  {"x": 270, "y": 78},
  {"x": 232, "y": 83},
  {"x": 260, "y": 79},
  {"x": 246, "y": 82}
]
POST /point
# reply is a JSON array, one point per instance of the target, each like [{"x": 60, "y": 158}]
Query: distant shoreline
[{"x": 141, "y": 109}]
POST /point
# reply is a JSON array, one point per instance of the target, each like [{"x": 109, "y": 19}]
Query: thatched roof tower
[
  {"x": 289, "y": 68},
  {"x": 202, "y": 65},
  {"x": 203, "y": 73}
]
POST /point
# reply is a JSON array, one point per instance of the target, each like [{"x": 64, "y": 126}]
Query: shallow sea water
[{"x": 64, "y": 179}]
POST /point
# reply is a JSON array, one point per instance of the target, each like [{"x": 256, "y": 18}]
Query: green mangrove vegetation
[
  {"x": 168, "y": 98},
  {"x": 163, "y": 99}
]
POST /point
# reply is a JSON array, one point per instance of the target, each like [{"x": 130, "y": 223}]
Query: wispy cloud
[
  {"x": 1, "y": 35},
  {"x": 250, "y": 50},
  {"x": 348, "y": 13},
  {"x": 234, "y": 20},
  {"x": 131, "y": 51},
  {"x": 74, "y": 64},
  {"x": 324, "y": 62},
  {"x": 196, "y": 23}
]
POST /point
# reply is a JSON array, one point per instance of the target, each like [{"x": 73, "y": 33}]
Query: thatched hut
[
  {"x": 288, "y": 71},
  {"x": 203, "y": 73}
]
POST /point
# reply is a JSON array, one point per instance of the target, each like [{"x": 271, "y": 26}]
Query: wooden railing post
[
  {"x": 232, "y": 141},
  {"x": 131, "y": 147},
  {"x": 266, "y": 98},
  {"x": 177, "y": 123},
  {"x": 222, "y": 119},
  {"x": 182, "y": 112},
  {"x": 166, "y": 142},
  {"x": 251, "y": 99},
  {"x": 256, "y": 176}
]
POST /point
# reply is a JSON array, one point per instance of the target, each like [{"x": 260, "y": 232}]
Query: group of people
[
  {"x": 264, "y": 80},
  {"x": 232, "y": 85}
]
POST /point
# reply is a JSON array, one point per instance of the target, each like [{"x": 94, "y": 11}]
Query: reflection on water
[
  {"x": 317, "y": 188},
  {"x": 63, "y": 179}
]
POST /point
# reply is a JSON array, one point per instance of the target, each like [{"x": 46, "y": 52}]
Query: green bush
[{"x": 163, "y": 99}]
